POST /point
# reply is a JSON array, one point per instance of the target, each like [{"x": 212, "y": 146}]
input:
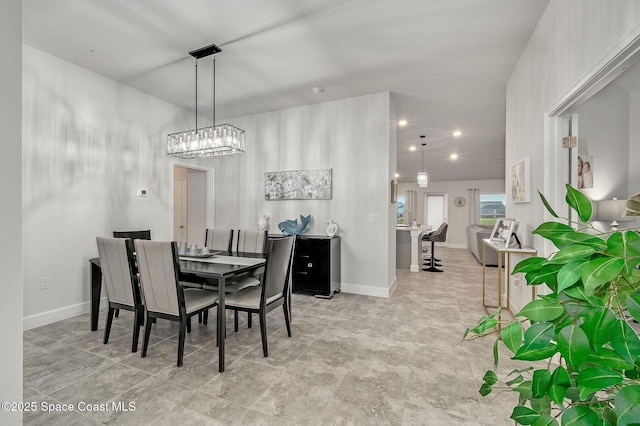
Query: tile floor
[{"x": 352, "y": 360}]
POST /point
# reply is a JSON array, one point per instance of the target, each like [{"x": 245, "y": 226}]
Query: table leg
[
  {"x": 96, "y": 287},
  {"x": 222, "y": 324}
]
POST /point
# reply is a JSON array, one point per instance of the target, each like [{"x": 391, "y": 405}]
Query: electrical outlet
[
  {"x": 516, "y": 281},
  {"x": 373, "y": 218},
  {"x": 45, "y": 283}
]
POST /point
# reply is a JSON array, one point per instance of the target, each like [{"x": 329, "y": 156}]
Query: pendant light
[
  {"x": 218, "y": 139},
  {"x": 423, "y": 180}
]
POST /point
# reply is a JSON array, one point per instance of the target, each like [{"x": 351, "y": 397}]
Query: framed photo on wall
[{"x": 521, "y": 181}]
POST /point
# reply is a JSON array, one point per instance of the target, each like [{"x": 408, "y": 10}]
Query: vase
[
  {"x": 332, "y": 228},
  {"x": 262, "y": 222}
]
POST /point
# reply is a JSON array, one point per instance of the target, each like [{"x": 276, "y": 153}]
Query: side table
[{"x": 507, "y": 252}]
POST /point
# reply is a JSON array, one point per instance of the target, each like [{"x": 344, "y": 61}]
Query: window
[
  {"x": 400, "y": 205},
  {"x": 492, "y": 207}
]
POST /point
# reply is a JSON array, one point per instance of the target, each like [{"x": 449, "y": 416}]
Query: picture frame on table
[{"x": 502, "y": 231}]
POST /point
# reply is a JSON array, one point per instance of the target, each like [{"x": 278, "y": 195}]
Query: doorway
[{"x": 190, "y": 204}]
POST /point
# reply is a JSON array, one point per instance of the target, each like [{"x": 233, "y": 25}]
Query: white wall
[
  {"x": 634, "y": 143},
  {"x": 350, "y": 136},
  {"x": 458, "y": 217},
  {"x": 11, "y": 206},
  {"x": 603, "y": 132},
  {"x": 88, "y": 145},
  {"x": 570, "y": 39}
]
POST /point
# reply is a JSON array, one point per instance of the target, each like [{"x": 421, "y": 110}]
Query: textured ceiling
[{"x": 446, "y": 61}]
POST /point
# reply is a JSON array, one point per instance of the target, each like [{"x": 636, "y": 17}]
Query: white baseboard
[
  {"x": 44, "y": 318},
  {"x": 366, "y": 290}
]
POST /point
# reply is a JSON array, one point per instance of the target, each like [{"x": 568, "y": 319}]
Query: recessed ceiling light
[
  {"x": 453, "y": 156},
  {"x": 397, "y": 175},
  {"x": 402, "y": 123},
  {"x": 457, "y": 133},
  {"x": 317, "y": 90},
  {"x": 412, "y": 148}
]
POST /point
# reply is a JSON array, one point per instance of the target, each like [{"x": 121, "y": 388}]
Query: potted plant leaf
[{"x": 580, "y": 336}]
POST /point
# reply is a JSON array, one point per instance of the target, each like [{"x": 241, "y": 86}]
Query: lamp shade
[
  {"x": 612, "y": 210},
  {"x": 423, "y": 180}
]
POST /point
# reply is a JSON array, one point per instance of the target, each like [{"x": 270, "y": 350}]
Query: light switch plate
[{"x": 373, "y": 218}]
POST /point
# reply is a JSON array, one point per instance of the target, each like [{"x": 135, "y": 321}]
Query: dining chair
[
  {"x": 121, "y": 283},
  {"x": 164, "y": 295},
  {"x": 141, "y": 235},
  {"x": 272, "y": 293},
  {"x": 218, "y": 239},
  {"x": 134, "y": 235},
  {"x": 249, "y": 241}
]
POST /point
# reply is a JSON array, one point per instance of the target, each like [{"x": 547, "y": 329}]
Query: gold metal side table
[{"x": 507, "y": 252}]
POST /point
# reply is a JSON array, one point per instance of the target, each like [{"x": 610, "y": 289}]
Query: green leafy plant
[{"x": 579, "y": 335}]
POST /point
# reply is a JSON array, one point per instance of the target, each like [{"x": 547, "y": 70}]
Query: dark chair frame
[
  {"x": 265, "y": 308},
  {"x": 134, "y": 235}
]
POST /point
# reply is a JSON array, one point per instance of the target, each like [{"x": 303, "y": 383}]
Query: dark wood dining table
[{"x": 219, "y": 269}]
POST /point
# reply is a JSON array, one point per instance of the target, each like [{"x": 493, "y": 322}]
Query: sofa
[{"x": 475, "y": 235}]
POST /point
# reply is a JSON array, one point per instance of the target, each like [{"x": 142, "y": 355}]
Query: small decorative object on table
[
  {"x": 332, "y": 228},
  {"x": 263, "y": 224},
  {"x": 292, "y": 227}
]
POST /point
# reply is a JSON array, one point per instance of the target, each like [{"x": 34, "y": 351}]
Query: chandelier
[
  {"x": 423, "y": 180},
  {"x": 218, "y": 139}
]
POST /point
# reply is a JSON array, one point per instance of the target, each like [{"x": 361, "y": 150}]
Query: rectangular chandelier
[{"x": 221, "y": 139}]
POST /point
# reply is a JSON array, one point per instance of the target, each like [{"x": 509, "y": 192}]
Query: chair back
[
  {"x": 218, "y": 239},
  {"x": 441, "y": 234},
  {"x": 250, "y": 241},
  {"x": 276, "y": 282},
  {"x": 134, "y": 235},
  {"x": 118, "y": 270},
  {"x": 159, "y": 269}
]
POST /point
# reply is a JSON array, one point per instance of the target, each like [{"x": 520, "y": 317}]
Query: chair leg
[
  {"x": 147, "y": 333},
  {"x": 189, "y": 325},
  {"x": 107, "y": 326},
  {"x": 117, "y": 312},
  {"x": 432, "y": 268},
  {"x": 249, "y": 318},
  {"x": 200, "y": 319},
  {"x": 184, "y": 324},
  {"x": 263, "y": 331},
  {"x": 205, "y": 317},
  {"x": 287, "y": 320},
  {"x": 235, "y": 321},
  {"x": 136, "y": 330}
]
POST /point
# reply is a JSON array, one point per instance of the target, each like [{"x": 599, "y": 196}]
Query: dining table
[{"x": 216, "y": 269}]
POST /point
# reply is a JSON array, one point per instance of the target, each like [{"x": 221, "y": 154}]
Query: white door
[
  {"x": 180, "y": 225},
  {"x": 435, "y": 209}
]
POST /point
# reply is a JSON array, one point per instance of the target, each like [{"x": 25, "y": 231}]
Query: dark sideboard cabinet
[{"x": 316, "y": 265}]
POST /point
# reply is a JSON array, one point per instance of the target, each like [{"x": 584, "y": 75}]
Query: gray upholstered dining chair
[
  {"x": 272, "y": 293},
  {"x": 218, "y": 239},
  {"x": 164, "y": 295},
  {"x": 121, "y": 282}
]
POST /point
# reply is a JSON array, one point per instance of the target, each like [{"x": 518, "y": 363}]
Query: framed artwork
[
  {"x": 521, "y": 181},
  {"x": 585, "y": 171},
  {"x": 298, "y": 185}
]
